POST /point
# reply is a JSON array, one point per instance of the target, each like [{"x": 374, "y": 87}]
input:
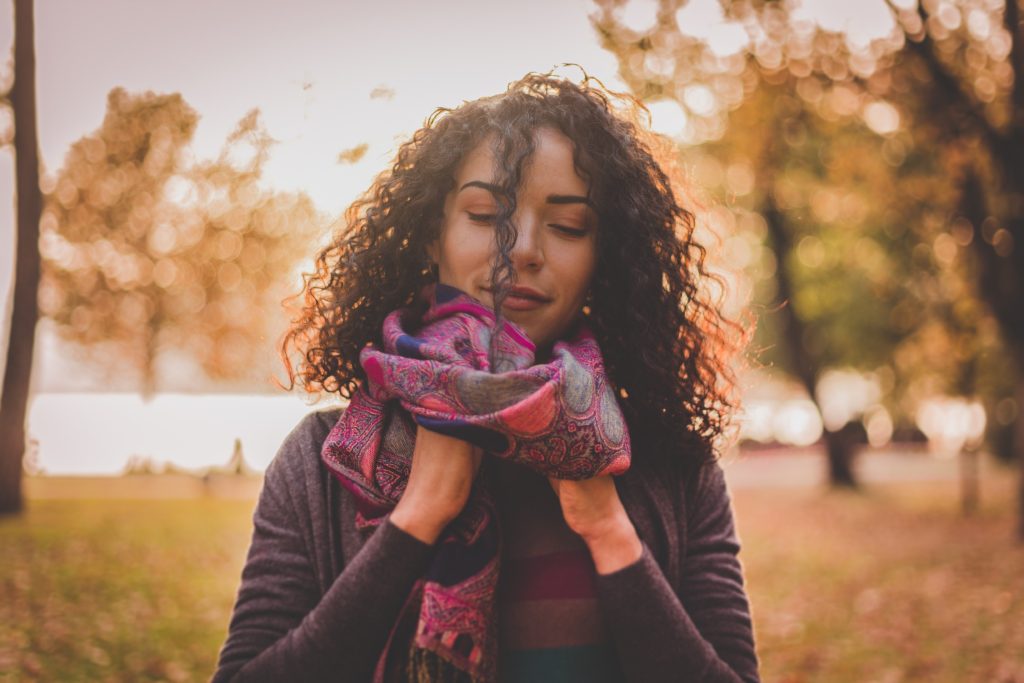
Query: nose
[{"x": 528, "y": 250}]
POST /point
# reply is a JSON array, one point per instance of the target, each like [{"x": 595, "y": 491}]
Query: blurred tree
[
  {"x": 824, "y": 241},
  {"x": 938, "y": 89},
  {"x": 24, "y": 311},
  {"x": 152, "y": 262}
]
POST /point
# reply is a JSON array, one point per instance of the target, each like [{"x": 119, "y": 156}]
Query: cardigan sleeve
[
  {"x": 282, "y": 628},
  {"x": 703, "y": 633}
]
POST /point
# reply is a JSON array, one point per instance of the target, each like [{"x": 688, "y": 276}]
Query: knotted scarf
[{"x": 451, "y": 371}]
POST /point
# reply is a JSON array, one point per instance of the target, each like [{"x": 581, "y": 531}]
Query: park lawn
[
  {"x": 119, "y": 590},
  {"x": 893, "y": 585}
]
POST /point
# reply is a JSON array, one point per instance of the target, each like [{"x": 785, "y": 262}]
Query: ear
[{"x": 434, "y": 250}]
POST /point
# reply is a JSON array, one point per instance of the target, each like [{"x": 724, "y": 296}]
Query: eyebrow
[{"x": 551, "y": 199}]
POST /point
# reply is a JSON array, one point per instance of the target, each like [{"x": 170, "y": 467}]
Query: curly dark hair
[{"x": 665, "y": 342}]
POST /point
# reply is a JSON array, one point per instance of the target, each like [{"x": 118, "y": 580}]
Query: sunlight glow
[
  {"x": 951, "y": 424},
  {"x": 667, "y": 117},
  {"x": 861, "y": 21},
  {"x": 797, "y": 422},
  {"x": 640, "y": 15},
  {"x": 704, "y": 19}
]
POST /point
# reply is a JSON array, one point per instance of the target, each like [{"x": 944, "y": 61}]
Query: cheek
[
  {"x": 576, "y": 272},
  {"x": 464, "y": 251}
]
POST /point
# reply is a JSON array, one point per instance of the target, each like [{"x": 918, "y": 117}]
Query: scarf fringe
[{"x": 426, "y": 666}]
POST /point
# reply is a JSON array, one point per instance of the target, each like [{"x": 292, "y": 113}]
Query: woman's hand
[
  {"x": 442, "y": 474},
  {"x": 592, "y": 508}
]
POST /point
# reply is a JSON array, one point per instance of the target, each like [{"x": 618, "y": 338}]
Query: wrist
[
  {"x": 614, "y": 546},
  {"x": 413, "y": 520}
]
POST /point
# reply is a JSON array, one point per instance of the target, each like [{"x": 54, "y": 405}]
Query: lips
[
  {"x": 521, "y": 292},
  {"x": 522, "y": 298}
]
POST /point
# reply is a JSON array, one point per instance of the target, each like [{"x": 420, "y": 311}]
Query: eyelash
[
  {"x": 481, "y": 217},
  {"x": 487, "y": 218}
]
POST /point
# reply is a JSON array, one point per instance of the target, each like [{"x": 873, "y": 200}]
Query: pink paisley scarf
[{"x": 559, "y": 418}]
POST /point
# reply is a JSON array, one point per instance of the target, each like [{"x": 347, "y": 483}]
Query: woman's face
[{"x": 556, "y": 249}]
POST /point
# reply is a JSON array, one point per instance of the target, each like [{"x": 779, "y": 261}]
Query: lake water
[
  {"x": 96, "y": 433},
  {"x": 93, "y": 433}
]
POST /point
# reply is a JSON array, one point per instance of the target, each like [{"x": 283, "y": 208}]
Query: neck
[{"x": 543, "y": 354}]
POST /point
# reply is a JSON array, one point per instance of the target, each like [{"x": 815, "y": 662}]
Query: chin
[{"x": 484, "y": 297}]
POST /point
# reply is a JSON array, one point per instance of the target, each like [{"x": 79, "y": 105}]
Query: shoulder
[
  {"x": 313, "y": 428},
  {"x": 677, "y": 481},
  {"x": 691, "y": 497},
  {"x": 297, "y": 464},
  {"x": 308, "y": 435},
  {"x": 707, "y": 483}
]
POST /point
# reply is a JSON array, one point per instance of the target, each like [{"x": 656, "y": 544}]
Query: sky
[{"x": 310, "y": 67}]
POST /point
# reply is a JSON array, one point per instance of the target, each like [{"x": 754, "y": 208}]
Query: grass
[
  {"x": 99, "y": 590},
  {"x": 893, "y": 585}
]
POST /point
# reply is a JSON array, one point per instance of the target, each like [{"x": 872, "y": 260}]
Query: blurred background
[{"x": 857, "y": 170}]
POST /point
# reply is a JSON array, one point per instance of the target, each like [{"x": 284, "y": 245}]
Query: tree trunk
[
  {"x": 840, "y": 448},
  {"x": 970, "y": 488},
  {"x": 148, "y": 365},
  {"x": 25, "y": 311},
  {"x": 807, "y": 368}
]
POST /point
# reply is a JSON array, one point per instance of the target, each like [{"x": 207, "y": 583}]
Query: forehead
[{"x": 550, "y": 165}]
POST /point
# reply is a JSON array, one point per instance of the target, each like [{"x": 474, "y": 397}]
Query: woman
[{"x": 523, "y": 485}]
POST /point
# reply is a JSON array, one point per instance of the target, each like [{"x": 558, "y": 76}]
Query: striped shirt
[{"x": 550, "y": 627}]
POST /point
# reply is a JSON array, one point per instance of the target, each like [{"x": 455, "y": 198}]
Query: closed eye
[
  {"x": 575, "y": 232},
  {"x": 486, "y": 218}
]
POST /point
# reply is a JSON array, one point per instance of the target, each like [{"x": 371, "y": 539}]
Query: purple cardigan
[{"x": 318, "y": 598}]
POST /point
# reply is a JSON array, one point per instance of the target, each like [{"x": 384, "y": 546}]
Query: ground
[{"x": 893, "y": 584}]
